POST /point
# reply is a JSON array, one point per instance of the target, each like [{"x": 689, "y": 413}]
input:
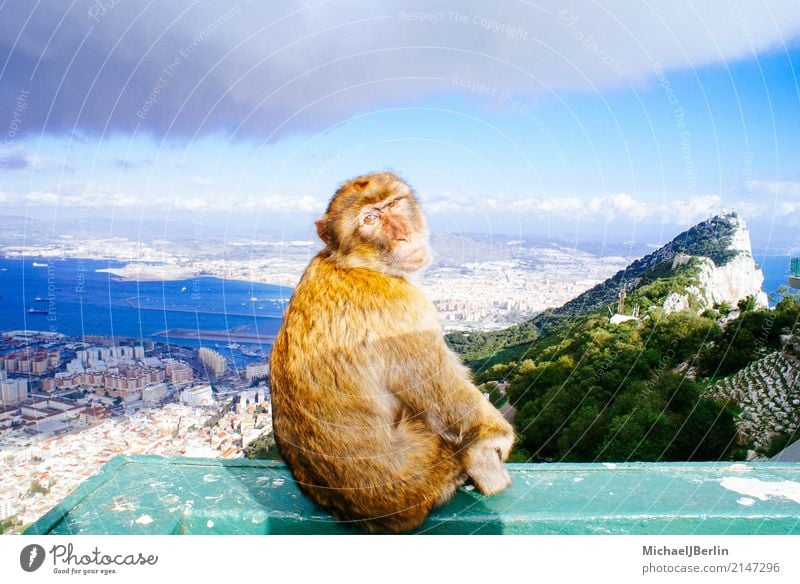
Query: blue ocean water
[
  {"x": 776, "y": 273},
  {"x": 81, "y": 301}
]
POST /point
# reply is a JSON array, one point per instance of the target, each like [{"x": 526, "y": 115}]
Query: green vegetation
[
  {"x": 6, "y": 525},
  {"x": 263, "y": 447},
  {"x": 778, "y": 443},
  {"x": 38, "y": 488},
  {"x": 750, "y": 336},
  {"x": 614, "y": 392},
  {"x": 587, "y": 390}
]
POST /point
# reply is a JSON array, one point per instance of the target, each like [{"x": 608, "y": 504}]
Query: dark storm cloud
[{"x": 265, "y": 69}]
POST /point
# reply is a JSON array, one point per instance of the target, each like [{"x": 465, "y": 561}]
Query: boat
[
  {"x": 40, "y": 299},
  {"x": 38, "y": 311},
  {"x": 39, "y": 265},
  {"x": 232, "y": 346},
  {"x": 3, "y": 269},
  {"x": 183, "y": 289},
  {"x": 252, "y": 352}
]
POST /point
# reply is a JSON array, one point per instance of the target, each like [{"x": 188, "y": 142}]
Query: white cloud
[
  {"x": 95, "y": 196},
  {"x": 7, "y": 198},
  {"x": 778, "y": 189},
  {"x": 277, "y": 68},
  {"x": 784, "y": 209},
  {"x": 42, "y": 198},
  {"x": 606, "y": 208},
  {"x": 599, "y": 208},
  {"x": 692, "y": 210},
  {"x": 282, "y": 204}
]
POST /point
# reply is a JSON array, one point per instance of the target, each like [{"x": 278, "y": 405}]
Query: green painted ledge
[{"x": 155, "y": 495}]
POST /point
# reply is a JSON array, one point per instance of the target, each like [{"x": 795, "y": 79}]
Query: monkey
[{"x": 377, "y": 419}]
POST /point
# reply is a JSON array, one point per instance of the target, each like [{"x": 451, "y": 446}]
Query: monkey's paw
[{"x": 485, "y": 465}]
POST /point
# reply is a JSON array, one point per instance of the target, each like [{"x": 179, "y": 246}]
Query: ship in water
[
  {"x": 38, "y": 311},
  {"x": 253, "y": 351},
  {"x": 39, "y": 265}
]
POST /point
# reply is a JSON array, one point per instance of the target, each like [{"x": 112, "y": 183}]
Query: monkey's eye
[
  {"x": 369, "y": 218},
  {"x": 394, "y": 203}
]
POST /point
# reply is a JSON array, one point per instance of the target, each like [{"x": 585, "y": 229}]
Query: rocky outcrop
[{"x": 734, "y": 279}]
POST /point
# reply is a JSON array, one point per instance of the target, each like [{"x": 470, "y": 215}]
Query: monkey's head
[{"x": 375, "y": 222}]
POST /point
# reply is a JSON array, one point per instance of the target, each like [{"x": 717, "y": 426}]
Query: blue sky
[{"x": 580, "y": 121}]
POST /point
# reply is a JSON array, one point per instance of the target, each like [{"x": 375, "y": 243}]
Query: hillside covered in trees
[{"x": 586, "y": 389}]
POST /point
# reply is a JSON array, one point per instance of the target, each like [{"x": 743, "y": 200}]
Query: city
[{"x": 70, "y": 405}]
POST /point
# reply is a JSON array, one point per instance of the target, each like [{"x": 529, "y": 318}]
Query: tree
[
  {"x": 38, "y": 488},
  {"x": 7, "y": 524},
  {"x": 263, "y": 447}
]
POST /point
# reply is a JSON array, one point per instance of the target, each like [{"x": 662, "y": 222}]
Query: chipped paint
[{"x": 763, "y": 490}]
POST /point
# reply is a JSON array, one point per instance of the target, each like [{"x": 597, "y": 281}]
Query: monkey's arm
[
  {"x": 441, "y": 392},
  {"x": 430, "y": 381}
]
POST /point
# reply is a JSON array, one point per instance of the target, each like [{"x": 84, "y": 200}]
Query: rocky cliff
[{"x": 736, "y": 278}]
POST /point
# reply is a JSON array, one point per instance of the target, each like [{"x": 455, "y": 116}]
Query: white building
[
  {"x": 7, "y": 509},
  {"x": 252, "y": 397},
  {"x": 9, "y": 415},
  {"x": 213, "y": 360},
  {"x": 154, "y": 393},
  {"x": 256, "y": 370},
  {"x": 50, "y": 410},
  {"x": 199, "y": 395},
  {"x": 13, "y": 391}
]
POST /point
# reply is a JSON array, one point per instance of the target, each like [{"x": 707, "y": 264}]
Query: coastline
[
  {"x": 150, "y": 273},
  {"x": 167, "y": 273}
]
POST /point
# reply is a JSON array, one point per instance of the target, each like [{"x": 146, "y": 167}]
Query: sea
[{"x": 70, "y": 296}]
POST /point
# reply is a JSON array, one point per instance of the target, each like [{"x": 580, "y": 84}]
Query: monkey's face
[
  {"x": 395, "y": 228},
  {"x": 375, "y": 222}
]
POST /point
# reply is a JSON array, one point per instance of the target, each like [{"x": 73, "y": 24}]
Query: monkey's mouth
[{"x": 412, "y": 256}]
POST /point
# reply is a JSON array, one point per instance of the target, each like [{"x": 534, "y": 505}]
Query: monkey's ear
[{"x": 322, "y": 230}]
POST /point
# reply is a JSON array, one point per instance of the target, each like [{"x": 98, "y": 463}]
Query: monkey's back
[{"x": 346, "y": 437}]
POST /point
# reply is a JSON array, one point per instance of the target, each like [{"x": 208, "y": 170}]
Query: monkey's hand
[{"x": 485, "y": 466}]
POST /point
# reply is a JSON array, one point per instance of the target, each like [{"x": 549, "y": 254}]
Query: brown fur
[{"x": 377, "y": 419}]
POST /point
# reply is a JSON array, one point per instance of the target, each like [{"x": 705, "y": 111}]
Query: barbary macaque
[{"x": 376, "y": 417}]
